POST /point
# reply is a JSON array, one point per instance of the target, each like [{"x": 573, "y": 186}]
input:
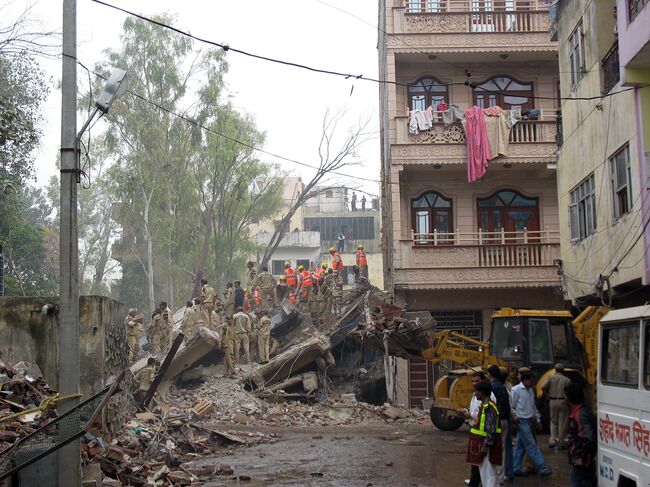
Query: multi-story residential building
[
  {"x": 453, "y": 248},
  {"x": 604, "y": 64}
]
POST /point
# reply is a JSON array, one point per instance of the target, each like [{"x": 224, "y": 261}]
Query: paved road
[{"x": 363, "y": 455}]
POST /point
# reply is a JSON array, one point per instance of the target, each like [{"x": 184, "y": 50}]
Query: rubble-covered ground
[{"x": 315, "y": 414}]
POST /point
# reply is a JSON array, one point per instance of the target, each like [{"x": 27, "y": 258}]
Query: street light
[{"x": 115, "y": 87}]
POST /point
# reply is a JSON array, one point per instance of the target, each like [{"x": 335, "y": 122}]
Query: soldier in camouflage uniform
[
  {"x": 314, "y": 305},
  {"x": 337, "y": 293}
]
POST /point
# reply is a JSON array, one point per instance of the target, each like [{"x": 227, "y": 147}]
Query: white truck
[{"x": 624, "y": 398}]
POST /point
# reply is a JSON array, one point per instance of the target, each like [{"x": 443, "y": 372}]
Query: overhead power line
[
  {"x": 332, "y": 72},
  {"x": 227, "y": 137}
]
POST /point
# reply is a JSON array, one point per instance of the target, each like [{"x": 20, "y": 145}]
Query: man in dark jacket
[
  {"x": 582, "y": 438},
  {"x": 503, "y": 404},
  {"x": 239, "y": 295}
]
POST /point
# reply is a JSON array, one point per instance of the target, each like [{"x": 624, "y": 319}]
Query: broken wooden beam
[{"x": 163, "y": 369}]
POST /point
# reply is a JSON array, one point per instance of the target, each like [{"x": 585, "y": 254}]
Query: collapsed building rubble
[
  {"x": 328, "y": 375},
  {"x": 26, "y": 402}
]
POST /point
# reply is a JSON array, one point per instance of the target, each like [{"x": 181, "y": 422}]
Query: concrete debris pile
[
  {"x": 394, "y": 331},
  {"x": 158, "y": 447},
  {"x": 233, "y": 404},
  {"x": 26, "y": 402}
]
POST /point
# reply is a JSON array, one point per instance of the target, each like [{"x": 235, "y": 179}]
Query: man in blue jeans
[{"x": 526, "y": 417}]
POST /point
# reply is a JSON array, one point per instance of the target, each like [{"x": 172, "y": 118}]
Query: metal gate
[{"x": 423, "y": 374}]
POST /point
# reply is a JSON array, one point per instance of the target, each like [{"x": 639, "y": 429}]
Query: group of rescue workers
[{"x": 243, "y": 315}]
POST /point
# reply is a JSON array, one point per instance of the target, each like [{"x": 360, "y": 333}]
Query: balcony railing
[
  {"x": 523, "y": 132},
  {"x": 491, "y": 249},
  {"x": 635, "y": 6},
  {"x": 442, "y": 6},
  {"x": 611, "y": 71},
  {"x": 466, "y": 16}
]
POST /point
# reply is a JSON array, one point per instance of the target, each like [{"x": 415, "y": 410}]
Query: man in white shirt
[{"x": 526, "y": 417}]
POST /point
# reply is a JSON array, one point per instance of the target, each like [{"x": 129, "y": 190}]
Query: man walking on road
[
  {"x": 554, "y": 392},
  {"x": 582, "y": 438},
  {"x": 526, "y": 417}
]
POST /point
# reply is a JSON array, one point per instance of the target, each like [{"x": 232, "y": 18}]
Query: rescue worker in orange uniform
[
  {"x": 337, "y": 261},
  {"x": 362, "y": 262},
  {"x": 320, "y": 273},
  {"x": 257, "y": 298},
  {"x": 292, "y": 297},
  {"x": 290, "y": 274},
  {"x": 304, "y": 287}
]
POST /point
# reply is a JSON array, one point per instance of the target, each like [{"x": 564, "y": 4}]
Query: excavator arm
[
  {"x": 455, "y": 347},
  {"x": 585, "y": 328}
]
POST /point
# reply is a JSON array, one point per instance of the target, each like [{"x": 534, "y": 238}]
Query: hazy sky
[{"x": 287, "y": 103}]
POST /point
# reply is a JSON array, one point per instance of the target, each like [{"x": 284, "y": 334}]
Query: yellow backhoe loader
[{"x": 519, "y": 337}]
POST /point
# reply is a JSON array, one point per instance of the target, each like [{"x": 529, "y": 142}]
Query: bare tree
[
  {"x": 22, "y": 33},
  {"x": 333, "y": 156}
]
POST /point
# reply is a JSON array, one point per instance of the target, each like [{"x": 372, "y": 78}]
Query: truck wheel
[{"x": 443, "y": 421}]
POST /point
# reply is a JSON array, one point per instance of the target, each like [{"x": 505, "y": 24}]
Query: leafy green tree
[
  {"x": 186, "y": 196},
  {"x": 24, "y": 244},
  {"x": 23, "y": 89}
]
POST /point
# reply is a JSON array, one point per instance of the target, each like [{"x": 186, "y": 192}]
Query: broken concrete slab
[
  {"x": 288, "y": 363},
  {"x": 204, "y": 342}
]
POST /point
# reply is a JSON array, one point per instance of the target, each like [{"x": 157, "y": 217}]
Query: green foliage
[
  {"x": 22, "y": 91},
  {"x": 27, "y": 235},
  {"x": 187, "y": 197}
]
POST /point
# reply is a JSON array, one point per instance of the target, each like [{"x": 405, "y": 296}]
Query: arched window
[
  {"x": 505, "y": 92},
  {"x": 426, "y": 92},
  {"x": 510, "y": 211},
  {"x": 432, "y": 212}
]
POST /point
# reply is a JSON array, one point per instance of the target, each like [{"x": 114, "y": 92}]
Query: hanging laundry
[
  {"x": 452, "y": 115},
  {"x": 420, "y": 120},
  {"x": 413, "y": 123},
  {"x": 478, "y": 148},
  {"x": 498, "y": 130}
]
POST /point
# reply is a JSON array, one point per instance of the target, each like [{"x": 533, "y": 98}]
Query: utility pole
[{"x": 69, "y": 467}]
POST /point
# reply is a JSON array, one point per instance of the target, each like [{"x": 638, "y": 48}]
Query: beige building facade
[
  {"x": 602, "y": 161},
  {"x": 454, "y": 248}
]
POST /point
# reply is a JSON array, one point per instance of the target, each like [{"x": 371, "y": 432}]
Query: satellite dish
[{"x": 548, "y": 3}]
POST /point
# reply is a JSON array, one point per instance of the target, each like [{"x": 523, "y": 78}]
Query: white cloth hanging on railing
[{"x": 420, "y": 120}]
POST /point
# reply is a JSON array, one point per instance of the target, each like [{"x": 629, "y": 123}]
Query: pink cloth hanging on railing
[{"x": 478, "y": 147}]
